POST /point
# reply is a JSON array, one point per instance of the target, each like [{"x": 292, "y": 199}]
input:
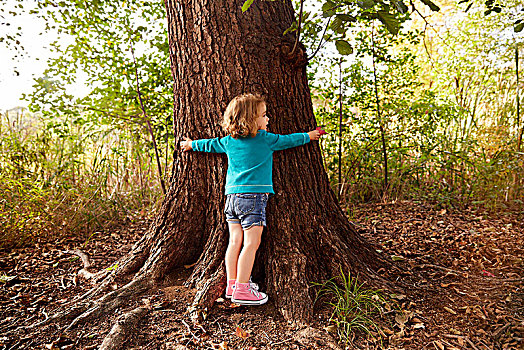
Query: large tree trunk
[{"x": 218, "y": 52}]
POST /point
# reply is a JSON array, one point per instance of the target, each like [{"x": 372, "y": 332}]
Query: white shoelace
[{"x": 252, "y": 285}]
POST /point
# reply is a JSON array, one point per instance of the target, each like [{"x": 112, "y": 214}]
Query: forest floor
[{"x": 463, "y": 271}]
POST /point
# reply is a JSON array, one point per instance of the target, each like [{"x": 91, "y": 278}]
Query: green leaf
[
  {"x": 4, "y": 278},
  {"x": 336, "y": 24},
  {"x": 328, "y": 9},
  {"x": 366, "y": 4},
  {"x": 518, "y": 28},
  {"x": 431, "y": 5},
  {"x": 291, "y": 29},
  {"x": 401, "y": 7},
  {"x": 346, "y": 18},
  {"x": 389, "y": 21},
  {"x": 343, "y": 47},
  {"x": 246, "y": 5}
]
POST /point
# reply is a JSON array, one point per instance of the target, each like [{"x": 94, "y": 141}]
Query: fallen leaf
[
  {"x": 439, "y": 345},
  {"x": 397, "y": 258},
  {"x": 223, "y": 346},
  {"x": 241, "y": 333},
  {"x": 451, "y": 311},
  {"x": 418, "y": 326},
  {"x": 331, "y": 328},
  {"x": 460, "y": 341},
  {"x": 455, "y": 331},
  {"x": 401, "y": 319},
  {"x": 388, "y": 331},
  {"x": 398, "y": 296}
]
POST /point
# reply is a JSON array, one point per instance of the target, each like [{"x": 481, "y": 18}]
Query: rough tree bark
[{"x": 218, "y": 52}]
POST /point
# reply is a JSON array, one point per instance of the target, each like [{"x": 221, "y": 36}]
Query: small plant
[{"x": 353, "y": 306}]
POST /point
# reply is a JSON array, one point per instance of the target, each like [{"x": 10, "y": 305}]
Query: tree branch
[
  {"x": 299, "y": 27},
  {"x": 162, "y": 183}
]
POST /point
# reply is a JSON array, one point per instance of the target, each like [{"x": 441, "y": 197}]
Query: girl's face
[{"x": 262, "y": 118}]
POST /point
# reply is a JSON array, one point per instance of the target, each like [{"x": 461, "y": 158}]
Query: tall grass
[
  {"x": 354, "y": 307},
  {"x": 60, "y": 177},
  {"x": 429, "y": 158}
]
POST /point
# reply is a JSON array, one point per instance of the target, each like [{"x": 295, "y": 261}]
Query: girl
[{"x": 249, "y": 148}]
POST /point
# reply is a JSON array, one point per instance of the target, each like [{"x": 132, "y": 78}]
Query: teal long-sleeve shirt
[{"x": 250, "y": 159}]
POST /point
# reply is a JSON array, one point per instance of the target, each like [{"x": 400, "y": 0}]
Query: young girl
[{"x": 249, "y": 148}]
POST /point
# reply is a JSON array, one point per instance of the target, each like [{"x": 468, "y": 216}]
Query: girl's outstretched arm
[
  {"x": 279, "y": 142},
  {"x": 186, "y": 144},
  {"x": 216, "y": 145}
]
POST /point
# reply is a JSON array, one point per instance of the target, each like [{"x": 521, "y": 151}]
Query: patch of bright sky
[{"x": 32, "y": 62}]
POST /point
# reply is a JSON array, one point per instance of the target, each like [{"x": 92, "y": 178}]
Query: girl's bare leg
[
  {"x": 247, "y": 255},
  {"x": 236, "y": 235}
]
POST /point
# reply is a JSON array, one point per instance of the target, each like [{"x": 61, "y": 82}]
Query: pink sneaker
[
  {"x": 244, "y": 294},
  {"x": 231, "y": 287}
]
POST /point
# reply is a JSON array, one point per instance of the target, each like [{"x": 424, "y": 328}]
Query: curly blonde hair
[{"x": 240, "y": 117}]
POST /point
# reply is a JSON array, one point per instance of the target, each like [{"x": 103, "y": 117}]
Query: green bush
[{"x": 60, "y": 178}]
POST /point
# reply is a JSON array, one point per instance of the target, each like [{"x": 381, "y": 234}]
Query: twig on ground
[
  {"x": 215, "y": 321},
  {"x": 280, "y": 342},
  {"x": 84, "y": 272},
  {"x": 85, "y": 258},
  {"x": 447, "y": 343},
  {"x": 267, "y": 337},
  {"x": 471, "y": 343},
  {"x": 190, "y": 331}
]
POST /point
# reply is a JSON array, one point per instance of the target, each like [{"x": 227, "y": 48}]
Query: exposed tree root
[
  {"x": 126, "y": 323},
  {"x": 105, "y": 279},
  {"x": 84, "y": 311},
  {"x": 207, "y": 293},
  {"x": 111, "y": 301}
]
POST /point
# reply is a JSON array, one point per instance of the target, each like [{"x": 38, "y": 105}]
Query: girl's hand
[
  {"x": 186, "y": 144},
  {"x": 314, "y": 135}
]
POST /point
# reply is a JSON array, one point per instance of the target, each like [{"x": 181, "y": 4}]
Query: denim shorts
[{"x": 247, "y": 209}]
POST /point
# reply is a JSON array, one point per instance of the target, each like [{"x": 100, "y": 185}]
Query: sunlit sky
[{"x": 31, "y": 65}]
